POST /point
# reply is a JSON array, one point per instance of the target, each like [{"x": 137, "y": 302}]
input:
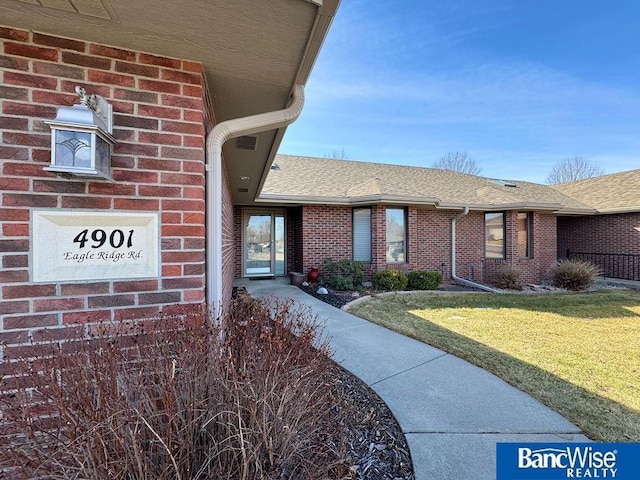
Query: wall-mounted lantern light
[{"x": 81, "y": 138}]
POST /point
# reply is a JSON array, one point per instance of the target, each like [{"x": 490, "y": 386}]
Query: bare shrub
[
  {"x": 574, "y": 274},
  {"x": 249, "y": 397},
  {"x": 508, "y": 278}
]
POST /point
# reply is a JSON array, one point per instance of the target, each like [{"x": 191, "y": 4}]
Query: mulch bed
[
  {"x": 378, "y": 447},
  {"x": 339, "y": 299}
]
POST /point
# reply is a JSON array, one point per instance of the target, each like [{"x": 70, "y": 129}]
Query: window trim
[
  {"x": 405, "y": 219},
  {"x": 504, "y": 239}
]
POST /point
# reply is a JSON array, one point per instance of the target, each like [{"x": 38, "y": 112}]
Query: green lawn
[{"x": 578, "y": 353}]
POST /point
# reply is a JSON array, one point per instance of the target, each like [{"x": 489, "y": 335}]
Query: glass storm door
[{"x": 264, "y": 244}]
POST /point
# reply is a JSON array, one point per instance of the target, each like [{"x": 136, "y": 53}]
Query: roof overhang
[
  {"x": 575, "y": 212},
  {"x": 345, "y": 200},
  {"x": 428, "y": 202},
  {"x": 253, "y": 52},
  {"x": 496, "y": 207},
  {"x": 610, "y": 211}
]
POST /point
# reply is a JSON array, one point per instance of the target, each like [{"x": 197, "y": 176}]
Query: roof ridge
[
  {"x": 599, "y": 177},
  {"x": 377, "y": 164}
]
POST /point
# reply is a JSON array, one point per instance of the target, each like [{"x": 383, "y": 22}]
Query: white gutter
[
  {"x": 344, "y": 200},
  {"x": 468, "y": 283},
  {"x": 216, "y": 138}
]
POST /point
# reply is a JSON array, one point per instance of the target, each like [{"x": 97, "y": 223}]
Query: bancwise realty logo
[{"x": 552, "y": 461}]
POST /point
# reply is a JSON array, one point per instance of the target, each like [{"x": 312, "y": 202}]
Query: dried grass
[{"x": 244, "y": 398}]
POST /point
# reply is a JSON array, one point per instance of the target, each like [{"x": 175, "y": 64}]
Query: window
[
  {"x": 524, "y": 234},
  {"x": 396, "y": 247},
  {"x": 494, "y": 235},
  {"x": 362, "y": 234}
]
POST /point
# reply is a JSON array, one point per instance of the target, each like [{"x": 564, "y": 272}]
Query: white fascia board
[
  {"x": 502, "y": 206},
  {"x": 574, "y": 212},
  {"x": 609, "y": 211},
  {"x": 363, "y": 200},
  {"x": 302, "y": 199}
]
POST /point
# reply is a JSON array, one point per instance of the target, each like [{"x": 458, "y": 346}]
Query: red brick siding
[
  {"x": 291, "y": 222},
  {"x": 160, "y": 115},
  {"x": 378, "y": 239},
  {"x": 327, "y": 233},
  {"x": 228, "y": 240},
  {"x": 545, "y": 235},
  {"x": 615, "y": 233},
  {"x": 333, "y": 225},
  {"x": 538, "y": 267},
  {"x": 239, "y": 250}
]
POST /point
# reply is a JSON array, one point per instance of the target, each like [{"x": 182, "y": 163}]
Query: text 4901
[{"x": 99, "y": 237}]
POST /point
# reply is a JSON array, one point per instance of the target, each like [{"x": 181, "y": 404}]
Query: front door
[{"x": 264, "y": 243}]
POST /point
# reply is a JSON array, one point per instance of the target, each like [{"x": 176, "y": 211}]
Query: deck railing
[{"x": 625, "y": 266}]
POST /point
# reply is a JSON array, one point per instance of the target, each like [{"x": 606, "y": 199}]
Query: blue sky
[{"x": 518, "y": 85}]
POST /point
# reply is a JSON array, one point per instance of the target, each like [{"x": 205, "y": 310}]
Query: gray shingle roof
[
  {"x": 324, "y": 180},
  {"x": 617, "y": 192}
]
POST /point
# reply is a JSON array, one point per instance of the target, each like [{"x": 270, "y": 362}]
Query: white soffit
[{"x": 92, "y": 8}]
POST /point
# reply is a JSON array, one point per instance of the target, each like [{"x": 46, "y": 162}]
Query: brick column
[{"x": 161, "y": 115}]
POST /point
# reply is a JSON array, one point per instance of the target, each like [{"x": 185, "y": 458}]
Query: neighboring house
[
  {"x": 74, "y": 249},
  {"x": 611, "y": 237},
  {"x": 391, "y": 216}
]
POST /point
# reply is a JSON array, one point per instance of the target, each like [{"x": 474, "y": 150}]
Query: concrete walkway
[{"x": 452, "y": 413}]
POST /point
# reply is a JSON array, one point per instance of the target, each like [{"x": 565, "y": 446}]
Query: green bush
[
  {"x": 343, "y": 275},
  {"x": 508, "y": 278},
  {"x": 424, "y": 279},
  {"x": 574, "y": 274},
  {"x": 389, "y": 280}
]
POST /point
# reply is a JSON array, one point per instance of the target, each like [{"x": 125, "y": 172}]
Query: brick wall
[
  {"x": 239, "y": 249},
  {"x": 545, "y": 235},
  {"x": 294, "y": 237},
  {"x": 616, "y": 233},
  {"x": 538, "y": 267},
  {"x": 327, "y": 232},
  {"x": 160, "y": 120},
  {"x": 469, "y": 243},
  {"x": 378, "y": 240},
  {"x": 228, "y": 241}
]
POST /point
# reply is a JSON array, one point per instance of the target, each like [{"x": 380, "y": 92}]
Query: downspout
[
  {"x": 217, "y": 137},
  {"x": 468, "y": 283}
]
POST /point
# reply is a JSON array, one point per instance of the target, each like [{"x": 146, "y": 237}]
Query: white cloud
[{"x": 390, "y": 89}]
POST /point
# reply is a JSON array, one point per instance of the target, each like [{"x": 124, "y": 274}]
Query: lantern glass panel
[
  {"x": 103, "y": 156},
  {"x": 73, "y": 149}
]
